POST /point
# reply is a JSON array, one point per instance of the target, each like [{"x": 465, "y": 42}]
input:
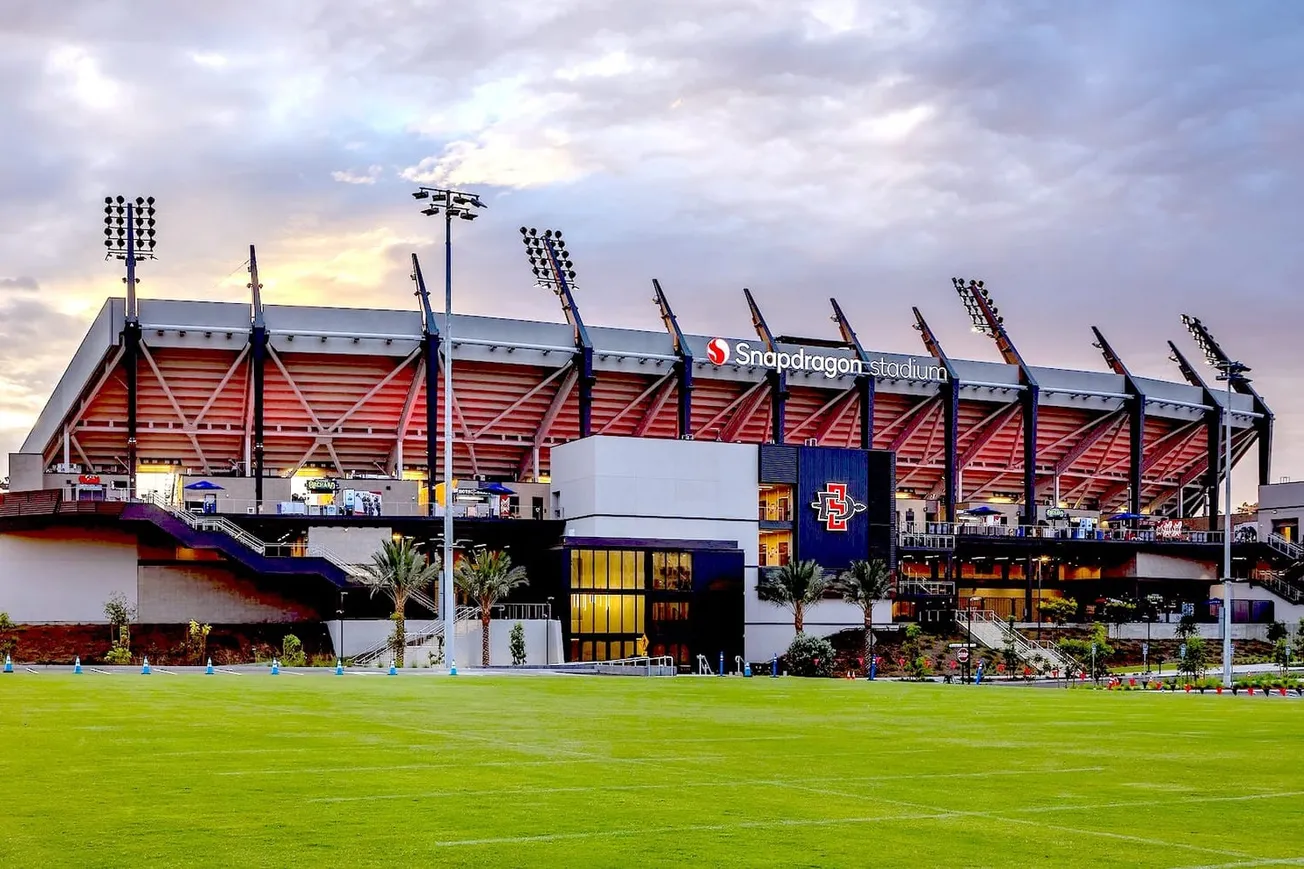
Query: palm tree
[
  {"x": 399, "y": 569},
  {"x": 796, "y": 585},
  {"x": 863, "y": 583},
  {"x": 484, "y": 578}
]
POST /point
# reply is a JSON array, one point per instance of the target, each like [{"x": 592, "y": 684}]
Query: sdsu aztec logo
[
  {"x": 717, "y": 350},
  {"x": 835, "y": 507}
]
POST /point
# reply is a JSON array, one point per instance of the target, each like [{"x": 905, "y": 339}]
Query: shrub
[
  {"x": 292, "y": 652},
  {"x": 118, "y": 655},
  {"x": 518, "y": 644},
  {"x": 809, "y": 656},
  {"x": 8, "y": 642}
]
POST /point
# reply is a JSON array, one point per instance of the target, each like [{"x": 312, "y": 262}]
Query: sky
[{"x": 1108, "y": 163}]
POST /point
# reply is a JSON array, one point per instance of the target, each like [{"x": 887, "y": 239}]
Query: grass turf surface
[{"x": 116, "y": 770}]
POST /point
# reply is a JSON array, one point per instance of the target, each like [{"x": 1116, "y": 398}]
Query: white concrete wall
[
  {"x": 172, "y": 594},
  {"x": 363, "y": 634},
  {"x": 1150, "y": 565},
  {"x": 537, "y": 643},
  {"x": 65, "y": 574},
  {"x": 1280, "y": 501},
  {"x": 686, "y": 490},
  {"x": 1160, "y": 631},
  {"x": 770, "y": 631},
  {"x": 354, "y": 544},
  {"x": 26, "y": 472},
  {"x": 1284, "y": 611}
]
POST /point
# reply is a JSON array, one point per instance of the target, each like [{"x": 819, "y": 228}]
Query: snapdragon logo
[{"x": 719, "y": 352}]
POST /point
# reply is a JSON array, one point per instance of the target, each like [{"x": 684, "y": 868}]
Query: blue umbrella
[
  {"x": 982, "y": 510},
  {"x": 1121, "y": 517},
  {"x": 497, "y": 489},
  {"x": 203, "y": 486}
]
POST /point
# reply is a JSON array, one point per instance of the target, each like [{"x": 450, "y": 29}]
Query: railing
[
  {"x": 942, "y": 535},
  {"x": 1285, "y": 547},
  {"x": 268, "y": 507},
  {"x": 663, "y": 665},
  {"x": 1279, "y": 585},
  {"x": 418, "y": 635},
  {"x": 521, "y": 612},
  {"x": 1025, "y": 648},
  {"x": 925, "y": 587}
]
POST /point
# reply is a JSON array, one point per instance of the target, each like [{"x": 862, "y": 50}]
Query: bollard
[
  {"x": 721, "y": 664},
  {"x": 393, "y": 671},
  {"x": 144, "y": 667},
  {"x": 339, "y": 667},
  {"x": 452, "y": 667},
  {"x": 774, "y": 666},
  {"x": 208, "y": 671},
  {"x": 9, "y": 665},
  {"x": 873, "y": 667},
  {"x": 276, "y": 667},
  {"x": 76, "y": 665}
]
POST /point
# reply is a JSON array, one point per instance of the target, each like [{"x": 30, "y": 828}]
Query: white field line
[
  {"x": 29, "y": 669},
  {"x": 1266, "y": 861},
  {"x": 164, "y": 672},
  {"x": 1161, "y": 843},
  {"x": 333, "y": 770},
  {"x": 692, "y": 828},
  {"x": 101, "y": 672},
  {"x": 228, "y": 672},
  {"x": 717, "y": 783}
]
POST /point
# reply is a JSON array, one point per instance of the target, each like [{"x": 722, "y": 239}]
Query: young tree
[
  {"x": 796, "y": 585},
  {"x": 916, "y": 664},
  {"x": 1281, "y": 654},
  {"x": 397, "y": 570},
  {"x": 518, "y": 644},
  {"x": 119, "y": 616},
  {"x": 1009, "y": 655},
  {"x": 485, "y": 578},
  {"x": 1118, "y": 613},
  {"x": 1186, "y": 628},
  {"x": 1277, "y": 631},
  {"x": 1059, "y": 610},
  {"x": 863, "y": 583},
  {"x": 1196, "y": 660}
]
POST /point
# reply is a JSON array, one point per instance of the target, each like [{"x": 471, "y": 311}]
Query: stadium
[{"x": 236, "y": 462}]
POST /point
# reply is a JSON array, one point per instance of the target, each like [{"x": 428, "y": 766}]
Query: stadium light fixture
[
  {"x": 970, "y": 292},
  {"x": 1232, "y": 373},
  {"x": 550, "y": 261},
  {"x": 462, "y": 205}
]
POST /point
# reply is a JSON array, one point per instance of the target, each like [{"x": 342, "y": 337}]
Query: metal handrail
[
  {"x": 942, "y": 535},
  {"x": 664, "y": 665},
  {"x": 419, "y": 636},
  {"x": 1285, "y": 547}
]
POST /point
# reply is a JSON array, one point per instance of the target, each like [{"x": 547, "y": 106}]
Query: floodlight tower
[
  {"x": 551, "y": 265},
  {"x": 129, "y": 236},
  {"x": 462, "y": 205},
  {"x": 1232, "y": 373}
]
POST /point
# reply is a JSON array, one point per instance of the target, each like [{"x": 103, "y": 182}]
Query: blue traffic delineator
[
  {"x": 774, "y": 666},
  {"x": 339, "y": 667},
  {"x": 276, "y": 667},
  {"x": 144, "y": 667},
  {"x": 452, "y": 669},
  {"x": 76, "y": 665},
  {"x": 9, "y": 665},
  {"x": 208, "y": 671},
  {"x": 747, "y": 671},
  {"x": 393, "y": 671}
]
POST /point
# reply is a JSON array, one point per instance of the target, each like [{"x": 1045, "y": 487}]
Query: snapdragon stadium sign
[{"x": 720, "y": 352}]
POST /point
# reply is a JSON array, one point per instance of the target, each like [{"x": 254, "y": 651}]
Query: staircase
[
  {"x": 419, "y": 637},
  {"x": 1281, "y": 583},
  {"x": 216, "y": 533},
  {"x": 992, "y": 631},
  {"x": 1281, "y": 545}
]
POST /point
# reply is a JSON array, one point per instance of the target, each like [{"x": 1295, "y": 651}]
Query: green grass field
[{"x": 127, "y": 770}]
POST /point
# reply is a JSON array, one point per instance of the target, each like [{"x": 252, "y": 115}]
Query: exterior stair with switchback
[
  {"x": 992, "y": 631},
  {"x": 222, "y": 535},
  {"x": 420, "y": 636}
]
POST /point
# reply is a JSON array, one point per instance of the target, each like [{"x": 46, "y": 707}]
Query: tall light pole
[
  {"x": 1231, "y": 372},
  {"x": 462, "y": 205},
  {"x": 129, "y": 236}
]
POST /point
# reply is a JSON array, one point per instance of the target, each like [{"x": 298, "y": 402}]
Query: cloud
[
  {"x": 1115, "y": 165},
  {"x": 368, "y": 177},
  {"x": 21, "y": 284}
]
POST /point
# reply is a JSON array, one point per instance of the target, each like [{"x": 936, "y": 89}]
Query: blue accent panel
[
  {"x": 778, "y": 464},
  {"x": 816, "y": 468},
  {"x": 306, "y": 567}
]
